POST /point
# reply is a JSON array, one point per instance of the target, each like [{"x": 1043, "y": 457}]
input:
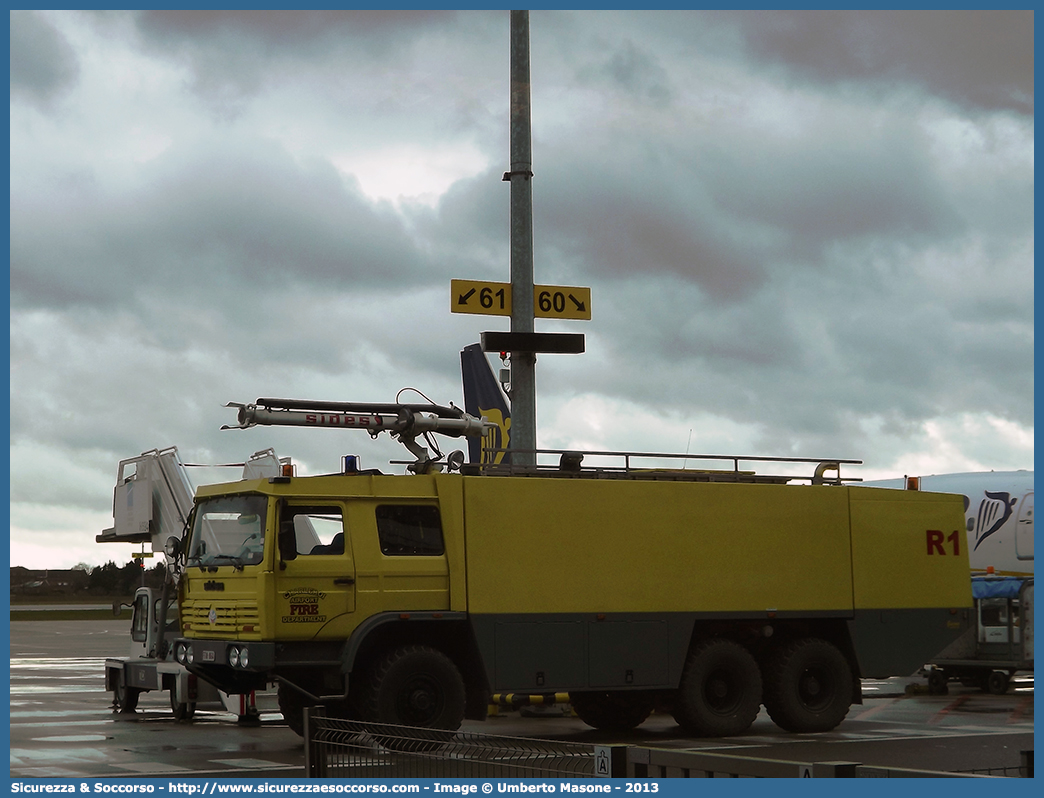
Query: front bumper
[{"x": 222, "y": 663}]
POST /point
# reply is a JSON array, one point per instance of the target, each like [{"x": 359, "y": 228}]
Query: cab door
[{"x": 315, "y": 572}]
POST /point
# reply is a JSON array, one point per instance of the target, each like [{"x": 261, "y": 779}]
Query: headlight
[
  {"x": 188, "y": 654},
  {"x": 179, "y": 652},
  {"x": 244, "y": 657},
  {"x": 233, "y": 656}
]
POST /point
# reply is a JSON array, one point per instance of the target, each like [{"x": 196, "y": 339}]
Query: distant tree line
[
  {"x": 100, "y": 580},
  {"x": 113, "y": 580}
]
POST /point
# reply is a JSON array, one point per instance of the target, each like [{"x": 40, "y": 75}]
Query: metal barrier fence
[
  {"x": 644, "y": 763},
  {"x": 337, "y": 748}
]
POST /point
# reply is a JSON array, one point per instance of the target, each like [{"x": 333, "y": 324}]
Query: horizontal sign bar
[{"x": 548, "y": 343}]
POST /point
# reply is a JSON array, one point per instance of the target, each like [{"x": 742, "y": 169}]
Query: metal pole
[{"x": 523, "y": 364}]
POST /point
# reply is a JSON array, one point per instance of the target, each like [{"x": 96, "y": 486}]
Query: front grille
[{"x": 229, "y": 619}]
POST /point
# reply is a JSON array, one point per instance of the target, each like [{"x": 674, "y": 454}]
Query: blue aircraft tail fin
[{"x": 483, "y": 396}]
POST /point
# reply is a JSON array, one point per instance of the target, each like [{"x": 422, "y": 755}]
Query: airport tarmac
[{"x": 63, "y": 726}]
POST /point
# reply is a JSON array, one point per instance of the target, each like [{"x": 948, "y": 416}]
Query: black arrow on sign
[
  {"x": 579, "y": 305},
  {"x": 463, "y": 298}
]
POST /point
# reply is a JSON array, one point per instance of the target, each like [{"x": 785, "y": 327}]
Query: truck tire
[
  {"x": 938, "y": 682},
  {"x": 720, "y": 690},
  {"x": 997, "y": 683},
  {"x": 125, "y": 697},
  {"x": 808, "y": 686},
  {"x": 181, "y": 711},
  {"x": 614, "y": 711},
  {"x": 414, "y": 686},
  {"x": 292, "y": 705}
]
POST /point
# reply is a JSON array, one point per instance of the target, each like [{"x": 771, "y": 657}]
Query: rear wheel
[
  {"x": 615, "y": 711},
  {"x": 938, "y": 682},
  {"x": 808, "y": 686},
  {"x": 997, "y": 682},
  {"x": 720, "y": 691}
]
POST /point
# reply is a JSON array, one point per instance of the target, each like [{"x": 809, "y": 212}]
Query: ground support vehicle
[
  {"x": 151, "y": 502},
  {"x": 151, "y": 665},
  {"x": 412, "y": 599},
  {"x": 999, "y": 644}
]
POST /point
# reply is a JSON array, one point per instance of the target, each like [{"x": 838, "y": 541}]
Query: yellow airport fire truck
[{"x": 411, "y": 599}]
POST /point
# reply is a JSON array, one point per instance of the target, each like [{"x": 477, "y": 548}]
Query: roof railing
[{"x": 574, "y": 463}]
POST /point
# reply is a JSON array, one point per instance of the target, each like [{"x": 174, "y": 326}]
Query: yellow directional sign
[
  {"x": 494, "y": 299},
  {"x": 561, "y": 302},
  {"x": 478, "y": 296}
]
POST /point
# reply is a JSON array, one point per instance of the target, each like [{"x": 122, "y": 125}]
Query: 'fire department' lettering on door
[{"x": 304, "y": 606}]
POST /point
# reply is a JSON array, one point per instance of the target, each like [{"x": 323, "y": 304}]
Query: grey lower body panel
[
  {"x": 897, "y": 642},
  {"x": 540, "y": 653}
]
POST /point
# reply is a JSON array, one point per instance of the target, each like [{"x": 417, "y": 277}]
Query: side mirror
[
  {"x": 117, "y": 609},
  {"x": 287, "y": 543},
  {"x": 172, "y": 548}
]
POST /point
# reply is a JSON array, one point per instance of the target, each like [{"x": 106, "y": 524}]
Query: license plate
[{"x": 208, "y": 656}]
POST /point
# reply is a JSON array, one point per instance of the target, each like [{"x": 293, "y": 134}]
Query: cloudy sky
[{"x": 806, "y": 233}]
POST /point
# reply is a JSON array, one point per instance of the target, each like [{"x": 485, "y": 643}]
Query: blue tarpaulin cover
[{"x": 996, "y": 587}]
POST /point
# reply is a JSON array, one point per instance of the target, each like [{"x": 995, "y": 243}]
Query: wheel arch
[{"x": 448, "y": 632}]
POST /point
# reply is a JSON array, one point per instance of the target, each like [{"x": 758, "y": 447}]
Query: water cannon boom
[{"x": 404, "y": 422}]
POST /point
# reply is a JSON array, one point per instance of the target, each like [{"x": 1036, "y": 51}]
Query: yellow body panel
[
  {"x": 908, "y": 549},
  {"x": 543, "y": 545},
  {"x": 556, "y": 546}
]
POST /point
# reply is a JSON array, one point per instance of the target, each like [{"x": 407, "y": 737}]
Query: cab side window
[
  {"x": 410, "y": 530},
  {"x": 140, "y": 619},
  {"x": 313, "y": 530}
]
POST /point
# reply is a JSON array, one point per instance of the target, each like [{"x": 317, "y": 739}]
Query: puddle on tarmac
[{"x": 73, "y": 738}]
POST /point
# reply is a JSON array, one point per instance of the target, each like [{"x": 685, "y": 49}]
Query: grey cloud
[
  {"x": 290, "y": 29},
  {"x": 632, "y": 70},
  {"x": 234, "y": 54},
  {"x": 596, "y": 213},
  {"x": 43, "y": 65},
  {"x": 236, "y": 217},
  {"x": 981, "y": 59},
  {"x": 846, "y": 183}
]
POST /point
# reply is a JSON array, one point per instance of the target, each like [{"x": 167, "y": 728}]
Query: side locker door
[{"x": 315, "y": 571}]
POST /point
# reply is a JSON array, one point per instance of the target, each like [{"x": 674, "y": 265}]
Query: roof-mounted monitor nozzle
[{"x": 404, "y": 422}]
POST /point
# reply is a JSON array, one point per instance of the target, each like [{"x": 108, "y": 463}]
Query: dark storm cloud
[
  {"x": 596, "y": 215},
  {"x": 976, "y": 58},
  {"x": 720, "y": 212},
  {"x": 286, "y": 29},
  {"x": 845, "y": 183},
  {"x": 240, "y": 216},
  {"x": 43, "y": 65},
  {"x": 234, "y": 54}
]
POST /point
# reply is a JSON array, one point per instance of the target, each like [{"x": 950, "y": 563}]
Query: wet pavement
[{"x": 63, "y": 725}]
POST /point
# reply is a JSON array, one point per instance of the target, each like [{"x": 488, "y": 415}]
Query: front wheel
[
  {"x": 181, "y": 711},
  {"x": 125, "y": 697},
  {"x": 808, "y": 686},
  {"x": 720, "y": 690},
  {"x": 415, "y": 686}
]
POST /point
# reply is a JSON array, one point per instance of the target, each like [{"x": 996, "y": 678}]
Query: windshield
[{"x": 228, "y": 531}]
